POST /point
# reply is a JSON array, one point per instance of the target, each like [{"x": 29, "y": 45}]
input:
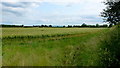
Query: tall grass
[
  {"x": 80, "y": 48},
  {"x": 110, "y": 48},
  {"x": 0, "y": 46}
]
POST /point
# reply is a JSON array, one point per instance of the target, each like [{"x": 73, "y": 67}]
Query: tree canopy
[{"x": 112, "y": 12}]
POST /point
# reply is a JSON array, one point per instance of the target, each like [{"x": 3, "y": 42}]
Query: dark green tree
[
  {"x": 50, "y": 25},
  {"x": 97, "y": 25},
  {"x": 84, "y": 25},
  {"x": 112, "y": 12}
]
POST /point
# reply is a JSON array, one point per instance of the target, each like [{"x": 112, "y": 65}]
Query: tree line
[{"x": 68, "y": 26}]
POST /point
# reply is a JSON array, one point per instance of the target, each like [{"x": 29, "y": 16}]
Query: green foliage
[
  {"x": 83, "y": 25},
  {"x": 110, "y": 48},
  {"x": 97, "y": 25},
  {"x": 112, "y": 12}
]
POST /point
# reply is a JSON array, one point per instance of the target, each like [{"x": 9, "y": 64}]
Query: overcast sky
[{"x": 54, "y": 12}]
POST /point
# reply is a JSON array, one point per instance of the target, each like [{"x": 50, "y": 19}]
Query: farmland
[
  {"x": 52, "y": 46},
  {"x": 45, "y": 31}
]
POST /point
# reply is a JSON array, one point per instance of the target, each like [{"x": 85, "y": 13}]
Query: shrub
[{"x": 110, "y": 48}]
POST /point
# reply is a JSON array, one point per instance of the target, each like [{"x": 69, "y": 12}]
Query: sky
[{"x": 51, "y": 12}]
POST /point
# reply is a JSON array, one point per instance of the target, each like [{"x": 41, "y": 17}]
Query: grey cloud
[
  {"x": 17, "y": 5},
  {"x": 11, "y": 11},
  {"x": 7, "y": 7},
  {"x": 12, "y": 5}
]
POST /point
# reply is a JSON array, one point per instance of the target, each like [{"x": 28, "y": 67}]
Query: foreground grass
[
  {"x": 110, "y": 46},
  {"x": 0, "y": 47},
  {"x": 81, "y": 48}
]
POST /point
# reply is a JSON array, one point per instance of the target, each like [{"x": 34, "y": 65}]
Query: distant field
[
  {"x": 46, "y": 31},
  {"x": 54, "y": 47}
]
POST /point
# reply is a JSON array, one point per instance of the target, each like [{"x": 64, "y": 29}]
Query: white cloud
[
  {"x": 87, "y": 7},
  {"x": 93, "y": 23},
  {"x": 53, "y": 1},
  {"x": 69, "y": 19},
  {"x": 35, "y": 4},
  {"x": 15, "y": 9}
]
